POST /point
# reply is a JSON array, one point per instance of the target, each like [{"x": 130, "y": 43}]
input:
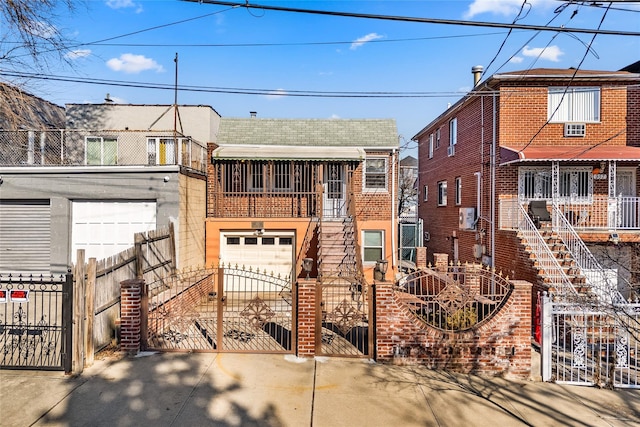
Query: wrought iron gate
[
  {"x": 345, "y": 321},
  {"x": 224, "y": 309},
  {"x": 35, "y": 322},
  {"x": 583, "y": 344}
]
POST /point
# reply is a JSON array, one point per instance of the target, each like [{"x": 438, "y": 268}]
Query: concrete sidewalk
[{"x": 200, "y": 389}]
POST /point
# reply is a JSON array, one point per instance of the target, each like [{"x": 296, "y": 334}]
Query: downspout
[
  {"x": 493, "y": 185},
  {"x": 394, "y": 223}
]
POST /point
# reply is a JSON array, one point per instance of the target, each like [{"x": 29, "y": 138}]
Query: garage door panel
[
  {"x": 106, "y": 228},
  {"x": 267, "y": 257},
  {"x": 25, "y": 236}
]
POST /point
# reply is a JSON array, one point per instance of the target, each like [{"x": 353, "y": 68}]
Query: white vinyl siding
[{"x": 578, "y": 104}]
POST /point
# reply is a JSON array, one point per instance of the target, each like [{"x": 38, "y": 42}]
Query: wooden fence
[{"x": 97, "y": 288}]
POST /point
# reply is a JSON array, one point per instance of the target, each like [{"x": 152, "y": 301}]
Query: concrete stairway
[{"x": 337, "y": 249}]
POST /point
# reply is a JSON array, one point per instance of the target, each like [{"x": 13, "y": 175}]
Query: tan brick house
[
  {"x": 563, "y": 141},
  {"x": 280, "y": 190}
]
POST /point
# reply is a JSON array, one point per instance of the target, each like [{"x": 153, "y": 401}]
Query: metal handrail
[
  {"x": 590, "y": 267},
  {"x": 306, "y": 244},
  {"x": 547, "y": 262}
]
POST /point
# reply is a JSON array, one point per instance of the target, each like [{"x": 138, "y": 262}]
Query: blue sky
[{"x": 302, "y": 52}]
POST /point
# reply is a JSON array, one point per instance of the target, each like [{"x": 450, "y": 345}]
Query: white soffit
[{"x": 281, "y": 152}]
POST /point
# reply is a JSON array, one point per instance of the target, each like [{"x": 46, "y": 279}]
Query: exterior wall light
[
  {"x": 382, "y": 265},
  {"x": 307, "y": 265}
]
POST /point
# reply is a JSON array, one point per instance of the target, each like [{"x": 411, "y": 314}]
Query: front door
[
  {"x": 334, "y": 199},
  {"x": 626, "y": 192}
]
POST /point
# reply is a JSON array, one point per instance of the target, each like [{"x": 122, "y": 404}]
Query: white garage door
[
  {"x": 272, "y": 252},
  {"x": 103, "y": 229}
]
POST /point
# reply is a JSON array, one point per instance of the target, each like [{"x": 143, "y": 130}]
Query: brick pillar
[
  {"x": 520, "y": 365},
  {"x": 307, "y": 297},
  {"x": 387, "y": 324},
  {"x": 130, "y": 299},
  {"x": 440, "y": 261},
  {"x": 421, "y": 257}
]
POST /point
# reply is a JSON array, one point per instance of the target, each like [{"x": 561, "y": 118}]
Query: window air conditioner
[
  {"x": 575, "y": 129},
  {"x": 467, "y": 219},
  {"x": 451, "y": 150}
]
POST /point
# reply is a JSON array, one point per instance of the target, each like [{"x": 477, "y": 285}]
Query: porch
[{"x": 599, "y": 213}]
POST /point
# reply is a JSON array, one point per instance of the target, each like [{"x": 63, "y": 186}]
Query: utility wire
[{"x": 420, "y": 20}]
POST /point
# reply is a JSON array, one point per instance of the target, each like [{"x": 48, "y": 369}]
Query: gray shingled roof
[{"x": 309, "y": 132}]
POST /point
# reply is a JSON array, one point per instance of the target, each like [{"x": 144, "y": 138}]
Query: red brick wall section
[
  {"x": 502, "y": 346},
  {"x": 130, "y": 293},
  {"x": 307, "y": 294}
]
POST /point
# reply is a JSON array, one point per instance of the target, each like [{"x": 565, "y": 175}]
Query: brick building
[
  {"x": 281, "y": 190},
  {"x": 565, "y": 142}
]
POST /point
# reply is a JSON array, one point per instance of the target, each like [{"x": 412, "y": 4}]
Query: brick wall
[
  {"x": 191, "y": 238},
  {"x": 307, "y": 297},
  {"x": 130, "y": 293},
  {"x": 500, "y": 346}
]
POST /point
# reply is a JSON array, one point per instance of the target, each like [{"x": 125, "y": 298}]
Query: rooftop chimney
[
  {"x": 253, "y": 113},
  {"x": 108, "y": 99},
  {"x": 477, "y": 74}
]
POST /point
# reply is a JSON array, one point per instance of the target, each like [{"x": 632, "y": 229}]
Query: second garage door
[{"x": 272, "y": 251}]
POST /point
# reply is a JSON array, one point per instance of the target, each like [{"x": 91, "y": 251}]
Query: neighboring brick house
[
  {"x": 281, "y": 190},
  {"x": 112, "y": 171},
  {"x": 565, "y": 137}
]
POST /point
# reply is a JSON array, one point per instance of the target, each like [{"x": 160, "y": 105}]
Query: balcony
[
  {"x": 101, "y": 148},
  {"x": 600, "y": 213}
]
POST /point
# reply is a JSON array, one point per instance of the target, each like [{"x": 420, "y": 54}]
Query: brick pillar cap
[{"x": 132, "y": 282}]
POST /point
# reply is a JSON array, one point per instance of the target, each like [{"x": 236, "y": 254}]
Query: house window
[
  {"x": 577, "y": 104},
  {"x": 101, "y": 150},
  {"x": 375, "y": 174},
  {"x": 257, "y": 176},
  {"x": 425, "y": 193},
  {"x": 442, "y": 193},
  {"x": 534, "y": 183},
  {"x": 437, "y": 137},
  {"x": 373, "y": 249},
  {"x": 453, "y": 132},
  {"x": 233, "y": 177},
  {"x": 430, "y": 146},
  {"x": 458, "y": 191},
  {"x": 161, "y": 151},
  {"x": 281, "y": 176},
  {"x": 576, "y": 183}
]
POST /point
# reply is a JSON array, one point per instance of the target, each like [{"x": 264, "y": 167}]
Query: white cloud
[
  {"x": 362, "y": 40},
  {"x": 500, "y": 7},
  {"x": 133, "y": 64},
  {"x": 77, "y": 54},
  {"x": 275, "y": 94},
  {"x": 550, "y": 53},
  {"x": 42, "y": 29},
  {"x": 122, "y": 4},
  {"x": 516, "y": 60},
  {"x": 335, "y": 117}
]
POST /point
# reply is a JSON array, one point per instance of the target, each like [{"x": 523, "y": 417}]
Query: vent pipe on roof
[
  {"x": 253, "y": 113},
  {"x": 477, "y": 74}
]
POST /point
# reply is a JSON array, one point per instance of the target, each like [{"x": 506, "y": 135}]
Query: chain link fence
[{"x": 100, "y": 148}]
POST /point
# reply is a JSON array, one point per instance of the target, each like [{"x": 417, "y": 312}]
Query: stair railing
[
  {"x": 547, "y": 262},
  {"x": 596, "y": 276},
  {"x": 352, "y": 213},
  {"x": 306, "y": 245}
]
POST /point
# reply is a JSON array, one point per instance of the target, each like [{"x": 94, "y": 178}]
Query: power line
[{"x": 421, "y": 20}]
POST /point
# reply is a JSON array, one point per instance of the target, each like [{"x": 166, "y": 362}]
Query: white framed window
[
  {"x": 425, "y": 193},
  {"x": 101, "y": 150},
  {"x": 442, "y": 193},
  {"x": 375, "y": 173},
  {"x": 573, "y": 104},
  {"x": 431, "y": 146},
  {"x": 453, "y": 132},
  {"x": 373, "y": 245},
  {"x": 437, "y": 137},
  {"x": 534, "y": 183},
  {"x": 161, "y": 151},
  {"x": 458, "y": 190},
  {"x": 576, "y": 183}
]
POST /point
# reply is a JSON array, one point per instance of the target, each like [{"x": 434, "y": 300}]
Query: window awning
[
  {"x": 569, "y": 153},
  {"x": 282, "y": 152}
]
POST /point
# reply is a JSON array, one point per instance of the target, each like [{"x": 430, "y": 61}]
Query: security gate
[
  {"x": 345, "y": 323},
  {"x": 229, "y": 309},
  {"x": 35, "y": 322},
  {"x": 583, "y": 344}
]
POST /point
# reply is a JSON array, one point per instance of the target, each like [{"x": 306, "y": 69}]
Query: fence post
[
  {"x": 79, "y": 314},
  {"x": 308, "y": 294},
  {"x": 67, "y": 321},
  {"x": 172, "y": 245},
  {"x": 144, "y": 316},
  {"x": 547, "y": 336},
  {"x": 130, "y": 298},
  {"x": 138, "y": 239},
  {"x": 90, "y": 311}
]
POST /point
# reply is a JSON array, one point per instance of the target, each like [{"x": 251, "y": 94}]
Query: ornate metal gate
[
  {"x": 590, "y": 344},
  {"x": 224, "y": 309},
  {"x": 35, "y": 322},
  {"x": 345, "y": 321}
]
